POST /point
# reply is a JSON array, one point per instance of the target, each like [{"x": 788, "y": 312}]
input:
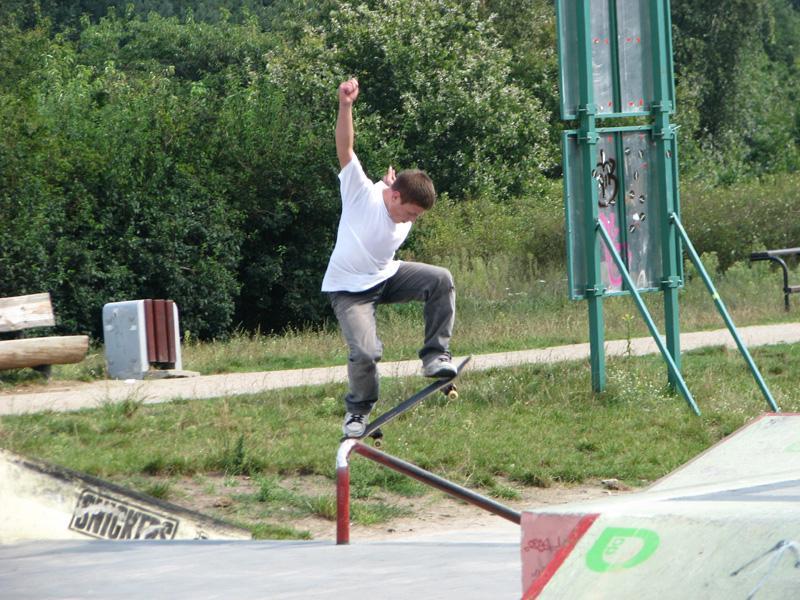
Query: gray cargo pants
[{"x": 356, "y": 314}]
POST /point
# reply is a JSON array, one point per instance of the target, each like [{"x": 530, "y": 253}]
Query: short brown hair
[{"x": 416, "y": 187}]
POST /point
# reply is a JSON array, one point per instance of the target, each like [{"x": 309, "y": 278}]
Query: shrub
[
  {"x": 732, "y": 221},
  {"x": 111, "y": 194},
  {"x": 527, "y": 229}
]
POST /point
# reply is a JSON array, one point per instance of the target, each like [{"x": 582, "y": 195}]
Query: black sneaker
[{"x": 354, "y": 425}]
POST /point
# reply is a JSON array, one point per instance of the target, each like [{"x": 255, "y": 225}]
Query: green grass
[
  {"x": 522, "y": 426},
  {"x": 510, "y": 428},
  {"x": 501, "y": 306},
  {"x": 501, "y": 309}
]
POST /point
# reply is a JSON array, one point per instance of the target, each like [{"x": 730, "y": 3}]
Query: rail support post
[{"x": 343, "y": 492}]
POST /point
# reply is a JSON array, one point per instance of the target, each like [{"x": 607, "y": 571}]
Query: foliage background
[{"x": 185, "y": 149}]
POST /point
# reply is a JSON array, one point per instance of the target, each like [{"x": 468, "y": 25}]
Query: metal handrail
[
  {"x": 406, "y": 468},
  {"x": 775, "y": 256}
]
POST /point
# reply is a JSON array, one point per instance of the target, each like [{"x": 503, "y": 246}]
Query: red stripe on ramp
[{"x": 560, "y": 554}]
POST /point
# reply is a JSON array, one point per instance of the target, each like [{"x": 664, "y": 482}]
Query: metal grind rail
[{"x": 401, "y": 466}]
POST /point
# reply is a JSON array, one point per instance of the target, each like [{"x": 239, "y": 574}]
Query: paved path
[{"x": 88, "y": 395}]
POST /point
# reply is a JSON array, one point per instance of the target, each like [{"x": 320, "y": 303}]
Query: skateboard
[{"x": 445, "y": 385}]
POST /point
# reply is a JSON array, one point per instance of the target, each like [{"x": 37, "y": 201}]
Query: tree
[{"x": 744, "y": 81}]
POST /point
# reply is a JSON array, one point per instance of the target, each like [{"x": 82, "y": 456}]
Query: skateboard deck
[{"x": 445, "y": 384}]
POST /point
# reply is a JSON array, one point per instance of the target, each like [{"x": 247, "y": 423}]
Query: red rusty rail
[{"x": 401, "y": 466}]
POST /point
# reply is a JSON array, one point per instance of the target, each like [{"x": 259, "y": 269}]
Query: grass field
[
  {"x": 500, "y": 308},
  {"x": 510, "y": 428},
  {"x": 271, "y": 455}
]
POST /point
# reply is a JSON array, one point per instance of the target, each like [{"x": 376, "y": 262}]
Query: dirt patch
[{"x": 237, "y": 499}]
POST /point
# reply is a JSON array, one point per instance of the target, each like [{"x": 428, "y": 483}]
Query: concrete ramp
[
  {"x": 41, "y": 501},
  {"x": 724, "y": 526},
  {"x": 58, "y": 532}
]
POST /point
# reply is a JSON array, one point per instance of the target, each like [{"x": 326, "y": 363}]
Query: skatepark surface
[
  {"x": 725, "y": 525},
  {"x": 259, "y": 570},
  {"x": 737, "y": 483}
]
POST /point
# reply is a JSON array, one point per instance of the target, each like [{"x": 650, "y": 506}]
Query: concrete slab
[
  {"x": 768, "y": 445},
  {"x": 726, "y": 525},
  {"x": 258, "y": 570}
]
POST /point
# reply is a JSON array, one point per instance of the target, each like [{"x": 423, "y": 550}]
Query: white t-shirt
[{"x": 367, "y": 238}]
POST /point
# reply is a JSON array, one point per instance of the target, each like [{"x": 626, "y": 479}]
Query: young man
[{"x": 362, "y": 272}]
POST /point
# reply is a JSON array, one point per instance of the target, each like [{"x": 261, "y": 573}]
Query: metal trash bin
[{"x": 140, "y": 336}]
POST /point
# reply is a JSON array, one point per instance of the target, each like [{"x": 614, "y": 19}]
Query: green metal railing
[
  {"x": 674, "y": 370},
  {"x": 724, "y": 312}
]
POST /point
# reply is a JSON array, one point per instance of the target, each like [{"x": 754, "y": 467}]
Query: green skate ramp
[{"x": 726, "y": 525}]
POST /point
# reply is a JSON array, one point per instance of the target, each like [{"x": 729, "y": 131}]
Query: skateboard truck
[{"x": 451, "y": 391}]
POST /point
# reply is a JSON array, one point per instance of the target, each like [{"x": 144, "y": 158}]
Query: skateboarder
[{"x": 362, "y": 272}]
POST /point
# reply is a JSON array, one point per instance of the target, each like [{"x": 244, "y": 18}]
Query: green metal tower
[{"x": 624, "y": 234}]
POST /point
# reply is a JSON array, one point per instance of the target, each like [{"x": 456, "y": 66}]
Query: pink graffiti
[{"x": 609, "y": 221}]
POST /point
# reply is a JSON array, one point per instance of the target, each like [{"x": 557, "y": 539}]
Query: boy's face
[{"x": 402, "y": 212}]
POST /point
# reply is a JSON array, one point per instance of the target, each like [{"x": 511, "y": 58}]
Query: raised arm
[{"x": 345, "y": 135}]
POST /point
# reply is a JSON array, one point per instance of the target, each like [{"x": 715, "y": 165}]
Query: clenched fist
[{"x": 348, "y": 91}]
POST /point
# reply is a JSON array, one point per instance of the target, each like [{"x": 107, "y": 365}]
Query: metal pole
[
  {"x": 413, "y": 471},
  {"x": 588, "y": 138},
  {"x": 724, "y": 312},
  {"x": 437, "y": 482},
  {"x": 673, "y": 368},
  {"x": 666, "y": 172},
  {"x": 343, "y": 492}
]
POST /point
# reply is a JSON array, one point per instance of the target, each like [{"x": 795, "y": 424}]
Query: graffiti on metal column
[
  {"x": 635, "y": 176},
  {"x": 636, "y": 221},
  {"x": 609, "y": 221},
  {"x": 604, "y": 175}
]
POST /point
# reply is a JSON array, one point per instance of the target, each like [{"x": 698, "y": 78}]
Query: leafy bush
[
  {"x": 155, "y": 157},
  {"x": 528, "y": 230},
  {"x": 188, "y": 152},
  {"x": 735, "y": 220},
  {"x": 737, "y": 71},
  {"x": 112, "y": 195}
]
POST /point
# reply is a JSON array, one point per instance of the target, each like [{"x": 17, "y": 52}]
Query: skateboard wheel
[
  {"x": 452, "y": 394},
  {"x": 377, "y": 437}
]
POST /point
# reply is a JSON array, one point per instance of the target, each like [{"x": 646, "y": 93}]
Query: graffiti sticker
[
  {"x": 101, "y": 516},
  {"x": 620, "y": 548},
  {"x": 604, "y": 174}
]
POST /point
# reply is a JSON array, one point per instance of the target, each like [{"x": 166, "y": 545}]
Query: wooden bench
[
  {"x": 26, "y": 312},
  {"x": 775, "y": 256}
]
